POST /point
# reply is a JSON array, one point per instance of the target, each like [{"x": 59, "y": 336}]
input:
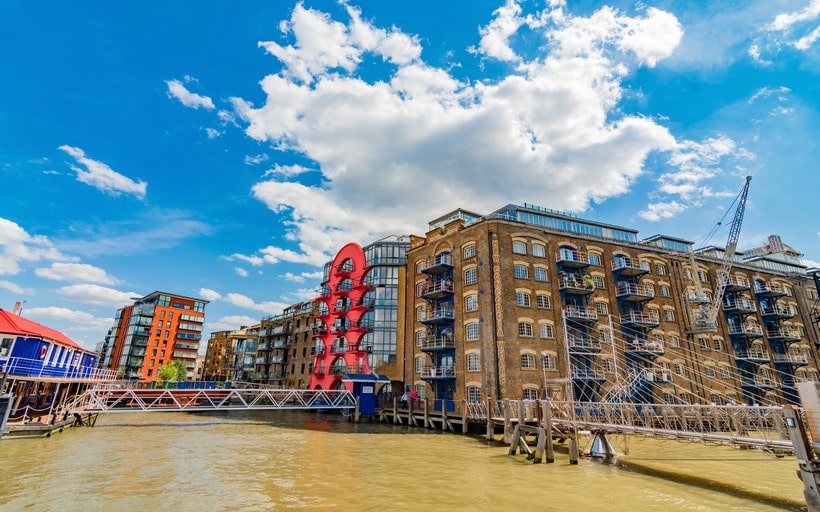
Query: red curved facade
[{"x": 338, "y": 334}]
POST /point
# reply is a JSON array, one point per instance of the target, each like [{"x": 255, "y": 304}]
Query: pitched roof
[{"x": 15, "y": 324}]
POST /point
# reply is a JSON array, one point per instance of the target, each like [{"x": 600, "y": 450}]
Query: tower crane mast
[{"x": 706, "y": 318}]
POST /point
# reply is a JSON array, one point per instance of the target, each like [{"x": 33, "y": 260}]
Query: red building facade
[{"x": 338, "y": 349}]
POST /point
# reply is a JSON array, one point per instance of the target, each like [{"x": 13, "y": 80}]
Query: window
[
  {"x": 545, "y": 331},
  {"x": 539, "y": 250},
  {"x": 525, "y": 329},
  {"x": 602, "y": 308},
  {"x": 470, "y": 303},
  {"x": 660, "y": 269},
  {"x": 599, "y": 282},
  {"x": 718, "y": 344},
  {"x": 469, "y": 251},
  {"x": 548, "y": 362},
  {"x": 420, "y": 365},
  {"x": 594, "y": 259},
  {"x": 421, "y": 390},
  {"x": 687, "y": 274},
  {"x": 664, "y": 291},
  {"x": 473, "y": 394},
  {"x": 421, "y": 313},
  {"x": 703, "y": 276},
  {"x": 419, "y": 338},
  {"x": 530, "y": 394},
  {"x": 521, "y": 272},
  {"x": 669, "y": 315},
  {"x": 541, "y": 274},
  {"x": 419, "y": 267},
  {"x": 609, "y": 365},
  {"x": 421, "y": 289},
  {"x": 472, "y": 331},
  {"x": 519, "y": 247},
  {"x": 470, "y": 276},
  {"x": 724, "y": 373},
  {"x": 522, "y": 299},
  {"x": 674, "y": 341},
  {"x": 473, "y": 363},
  {"x": 604, "y": 337},
  {"x": 527, "y": 362},
  {"x": 680, "y": 370},
  {"x": 542, "y": 301},
  {"x": 704, "y": 344}
]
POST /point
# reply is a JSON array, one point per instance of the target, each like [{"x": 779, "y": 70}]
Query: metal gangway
[
  {"x": 746, "y": 426},
  {"x": 117, "y": 400}
]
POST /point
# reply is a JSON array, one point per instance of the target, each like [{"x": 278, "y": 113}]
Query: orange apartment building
[{"x": 154, "y": 330}]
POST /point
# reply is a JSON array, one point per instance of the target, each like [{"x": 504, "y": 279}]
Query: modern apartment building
[
  {"x": 154, "y": 330},
  {"x": 358, "y": 314},
  {"x": 285, "y": 356},
  {"x": 529, "y": 302}
]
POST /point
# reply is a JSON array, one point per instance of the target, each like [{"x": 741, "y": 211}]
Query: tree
[{"x": 173, "y": 371}]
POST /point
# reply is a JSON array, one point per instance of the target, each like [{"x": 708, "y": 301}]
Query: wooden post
[
  {"x": 445, "y": 423},
  {"x": 410, "y": 417},
  {"x": 573, "y": 451},
  {"x": 515, "y": 438},
  {"x": 539, "y": 447},
  {"x": 396, "y": 410},
  {"x": 548, "y": 432},
  {"x": 507, "y": 422},
  {"x": 356, "y": 412},
  {"x": 463, "y": 417},
  {"x": 427, "y": 422},
  {"x": 490, "y": 425}
]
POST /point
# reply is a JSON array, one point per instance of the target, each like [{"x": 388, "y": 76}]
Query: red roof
[{"x": 15, "y": 324}]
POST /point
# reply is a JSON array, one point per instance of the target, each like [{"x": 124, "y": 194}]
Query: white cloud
[
  {"x": 395, "y": 153},
  {"x": 102, "y": 177},
  {"x": 15, "y": 288},
  {"x": 795, "y": 29},
  {"x": 300, "y": 278},
  {"x": 495, "y": 36},
  {"x": 209, "y": 295},
  {"x": 287, "y": 171},
  {"x": 97, "y": 295},
  {"x": 241, "y": 271},
  {"x": 17, "y": 246},
  {"x": 186, "y": 97},
  {"x": 805, "y": 42},
  {"x": 212, "y": 133},
  {"x": 765, "y": 92},
  {"x": 256, "y": 159},
  {"x": 75, "y": 272},
  {"x": 243, "y": 301},
  {"x": 231, "y": 323},
  {"x": 783, "y": 21},
  {"x": 79, "y": 320},
  {"x": 323, "y": 44},
  {"x": 659, "y": 211}
]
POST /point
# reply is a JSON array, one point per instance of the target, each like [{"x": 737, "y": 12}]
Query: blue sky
[{"x": 225, "y": 151}]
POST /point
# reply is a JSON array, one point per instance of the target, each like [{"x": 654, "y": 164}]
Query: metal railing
[
  {"x": 748, "y": 426},
  {"x": 107, "y": 400},
  {"x": 24, "y": 367}
]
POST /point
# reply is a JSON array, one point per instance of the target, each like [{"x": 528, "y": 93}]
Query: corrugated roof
[{"x": 15, "y": 324}]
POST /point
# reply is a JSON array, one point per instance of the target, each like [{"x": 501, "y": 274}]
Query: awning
[{"x": 364, "y": 377}]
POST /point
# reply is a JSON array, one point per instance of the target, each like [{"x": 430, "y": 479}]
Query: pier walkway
[
  {"x": 745, "y": 426},
  {"x": 118, "y": 400}
]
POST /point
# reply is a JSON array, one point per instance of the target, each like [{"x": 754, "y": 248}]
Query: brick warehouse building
[{"x": 530, "y": 302}]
